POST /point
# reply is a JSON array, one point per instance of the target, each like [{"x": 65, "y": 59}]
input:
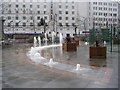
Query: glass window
[
  {"x": 38, "y": 6},
  {"x": 73, "y": 7},
  {"x": 44, "y": 12},
  {"x": 9, "y": 17},
  {"x": 66, "y": 6},
  {"x": 17, "y": 6},
  {"x": 66, "y": 12},
  {"x": 23, "y": 6},
  {"x": 24, "y": 17},
  {"x": 16, "y": 17},
  {"x": 16, "y": 24},
  {"x": 60, "y": 18},
  {"x": 73, "y": 12},
  {"x": 73, "y": 18},
  {"x": 45, "y": 17},
  {"x": 66, "y": 18},
  {"x": 38, "y": 12},
  {"x": 31, "y": 24},
  {"x": 60, "y": 12},
  {"x": 44, "y": 6},
  {"x": 9, "y": 5},
  {"x": 38, "y": 17},
  {"x": 30, "y": 6},
  {"x": 59, "y": 6},
  {"x": 24, "y": 24}
]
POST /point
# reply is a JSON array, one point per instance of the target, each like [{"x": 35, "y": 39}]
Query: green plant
[{"x": 31, "y": 39}]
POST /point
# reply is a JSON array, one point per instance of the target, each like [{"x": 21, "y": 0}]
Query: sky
[{"x": 58, "y": 0}]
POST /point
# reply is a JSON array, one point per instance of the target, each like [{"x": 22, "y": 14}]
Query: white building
[
  {"x": 119, "y": 14},
  {"x": 61, "y": 16}
]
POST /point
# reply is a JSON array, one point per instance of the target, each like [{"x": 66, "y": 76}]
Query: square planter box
[
  {"x": 69, "y": 46},
  {"x": 97, "y": 52}
]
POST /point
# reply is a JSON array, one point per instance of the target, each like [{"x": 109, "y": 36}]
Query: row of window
[
  {"x": 104, "y": 8},
  {"x": 105, "y": 19},
  {"x": 103, "y": 24},
  {"x": 104, "y": 3},
  {"x": 38, "y": 24},
  {"x": 60, "y": 18},
  {"x": 38, "y": 18},
  {"x": 38, "y": 12},
  {"x": 45, "y": 6},
  {"x": 105, "y": 14}
]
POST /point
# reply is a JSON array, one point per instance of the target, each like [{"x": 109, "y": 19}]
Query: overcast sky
[{"x": 56, "y": 0}]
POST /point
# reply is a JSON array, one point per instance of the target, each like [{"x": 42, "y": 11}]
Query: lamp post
[{"x": 3, "y": 20}]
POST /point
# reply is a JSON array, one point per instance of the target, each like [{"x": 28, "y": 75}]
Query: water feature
[
  {"x": 60, "y": 38},
  {"x": 78, "y": 67},
  {"x": 53, "y": 33},
  {"x": 86, "y": 43},
  {"x": 39, "y": 41},
  {"x": 46, "y": 39},
  {"x": 35, "y": 42},
  {"x": 35, "y": 56},
  {"x": 104, "y": 43}
]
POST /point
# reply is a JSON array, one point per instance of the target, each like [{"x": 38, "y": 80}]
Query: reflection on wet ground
[{"x": 19, "y": 72}]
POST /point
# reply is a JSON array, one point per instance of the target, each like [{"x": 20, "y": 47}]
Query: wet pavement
[{"x": 19, "y": 72}]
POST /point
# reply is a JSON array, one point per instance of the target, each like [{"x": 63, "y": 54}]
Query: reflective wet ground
[{"x": 19, "y": 72}]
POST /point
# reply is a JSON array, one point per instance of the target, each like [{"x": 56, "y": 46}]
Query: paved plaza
[{"x": 19, "y": 72}]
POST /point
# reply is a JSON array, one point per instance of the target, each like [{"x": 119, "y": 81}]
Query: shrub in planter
[{"x": 31, "y": 39}]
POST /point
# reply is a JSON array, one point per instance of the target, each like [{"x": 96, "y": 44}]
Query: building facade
[
  {"x": 119, "y": 14},
  {"x": 62, "y": 16}
]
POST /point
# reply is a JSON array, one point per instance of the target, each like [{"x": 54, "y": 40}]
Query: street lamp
[
  {"x": 43, "y": 23},
  {"x": 75, "y": 26},
  {"x": 3, "y": 20}
]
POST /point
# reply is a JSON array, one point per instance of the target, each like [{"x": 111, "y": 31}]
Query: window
[
  {"x": 17, "y": 6},
  {"x": 100, "y": 3},
  {"x": 45, "y": 17},
  {"x": 73, "y": 18},
  {"x": 16, "y": 24},
  {"x": 114, "y": 14},
  {"x": 38, "y": 12},
  {"x": 30, "y": 6},
  {"x": 24, "y": 17},
  {"x": 23, "y": 6},
  {"x": 105, "y": 3},
  {"x": 72, "y": 2},
  {"x": 73, "y": 12},
  {"x": 114, "y": 4},
  {"x": 66, "y": 18},
  {"x": 73, "y": 24},
  {"x": 9, "y": 5},
  {"x": 16, "y": 17},
  {"x": 66, "y": 24},
  {"x": 44, "y": 12},
  {"x": 38, "y": 6},
  {"x": 31, "y": 24},
  {"x": 66, "y": 6},
  {"x": 24, "y": 24},
  {"x": 60, "y": 18},
  {"x": 60, "y": 24},
  {"x": 59, "y": 6},
  {"x": 31, "y": 18},
  {"x": 95, "y": 3},
  {"x": 9, "y": 24},
  {"x": 60, "y": 12},
  {"x": 44, "y": 6},
  {"x": 9, "y": 17},
  {"x": 17, "y": 12},
  {"x": 38, "y": 18},
  {"x": 66, "y": 12},
  {"x": 73, "y": 7}
]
